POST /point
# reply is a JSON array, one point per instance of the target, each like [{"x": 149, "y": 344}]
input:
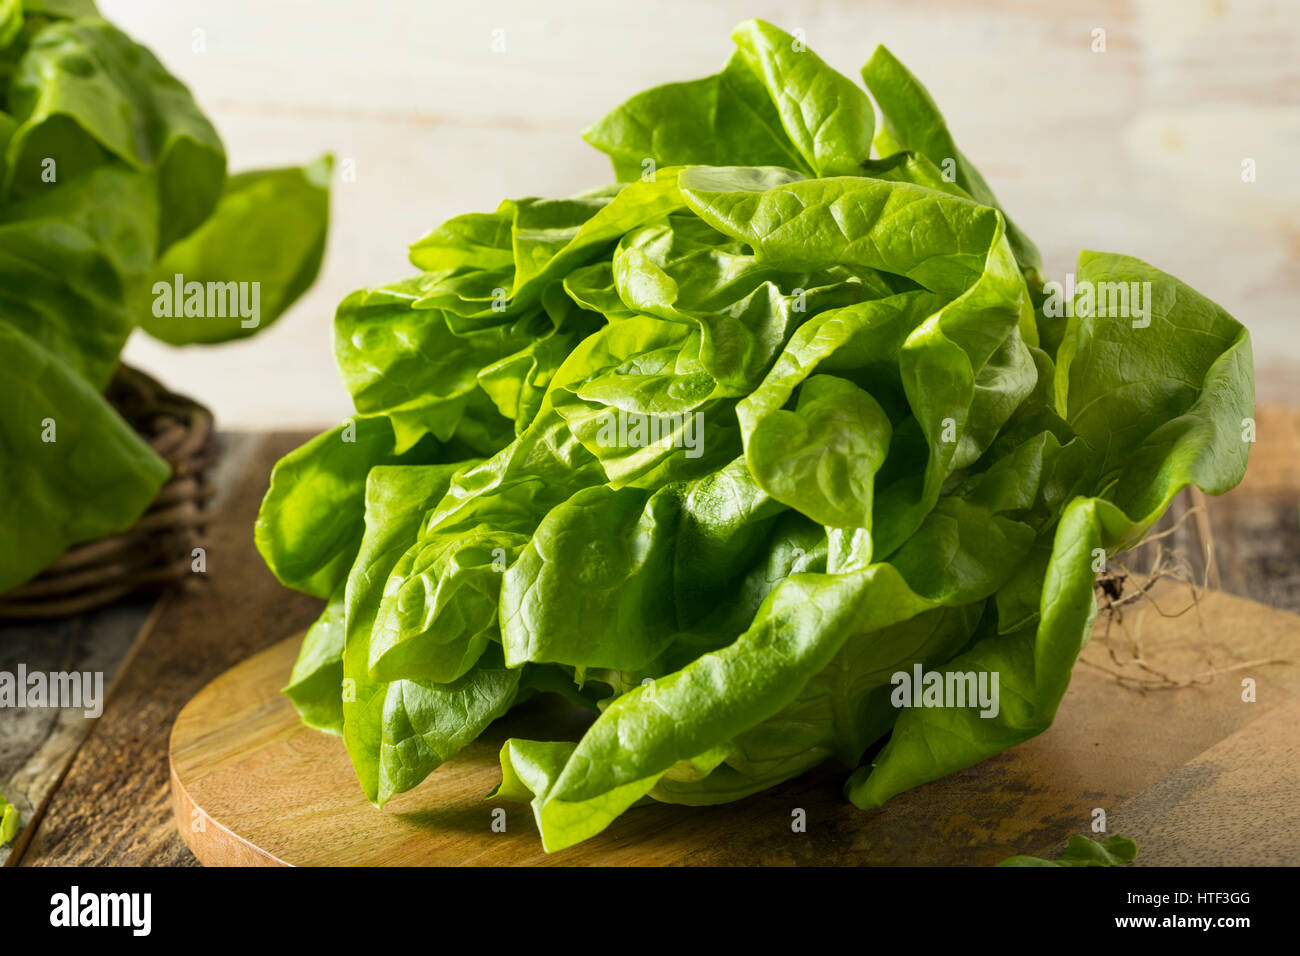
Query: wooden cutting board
[{"x": 1193, "y": 773}]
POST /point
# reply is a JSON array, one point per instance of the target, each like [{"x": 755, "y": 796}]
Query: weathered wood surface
[
  {"x": 37, "y": 745},
  {"x": 1256, "y": 526},
  {"x": 112, "y": 805}
]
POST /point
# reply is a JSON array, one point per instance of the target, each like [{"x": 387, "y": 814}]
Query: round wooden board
[{"x": 252, "y": 786}]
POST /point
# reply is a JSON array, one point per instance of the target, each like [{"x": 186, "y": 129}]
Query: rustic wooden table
[{"x": 96, "y": 792}]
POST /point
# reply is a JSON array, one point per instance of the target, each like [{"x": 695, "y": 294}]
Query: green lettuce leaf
[
  {"x": 825, "y": 115},
  {"x": 1084, "y": 851},
  {"x": 9, "y": 822},
  {"x": 312, "y": 517},
  {"x": 912, "y": 121},
  {"x": 317, "y": 675},
  {"x": 721, "y": 120},
  {"x": 111, "y": 99},
  {"x": 74, "y": 470},
  {"x": 268, "y": 228},
  {"x": 399, "y": 732},
  {"x": 1197, "y": 441}
]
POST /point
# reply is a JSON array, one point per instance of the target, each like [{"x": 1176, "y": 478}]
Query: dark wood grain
[{"x": 113, "y": 807}]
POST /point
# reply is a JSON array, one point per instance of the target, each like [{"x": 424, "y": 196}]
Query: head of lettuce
[
  {"x": 724, "y": 449},
  {"x": 114, "y": 193}
]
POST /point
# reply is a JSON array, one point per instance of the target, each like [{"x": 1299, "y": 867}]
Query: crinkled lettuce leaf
[{"x": 312, "y": 517}]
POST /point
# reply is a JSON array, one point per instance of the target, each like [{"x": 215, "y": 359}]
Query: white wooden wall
[{"x": 1136, "y": 150}]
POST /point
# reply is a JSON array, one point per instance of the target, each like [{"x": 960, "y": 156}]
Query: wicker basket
[{"x": 156, "y": 552}]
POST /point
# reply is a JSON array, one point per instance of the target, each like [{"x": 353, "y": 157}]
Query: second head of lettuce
[
  {"x": 116, "y": 213},
  {"x": 723, "y": 450}
]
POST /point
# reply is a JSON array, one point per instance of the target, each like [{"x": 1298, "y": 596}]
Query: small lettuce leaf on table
[
  {"x": 9, "y": 821},
  {"x": 1085, "y": 851}
]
